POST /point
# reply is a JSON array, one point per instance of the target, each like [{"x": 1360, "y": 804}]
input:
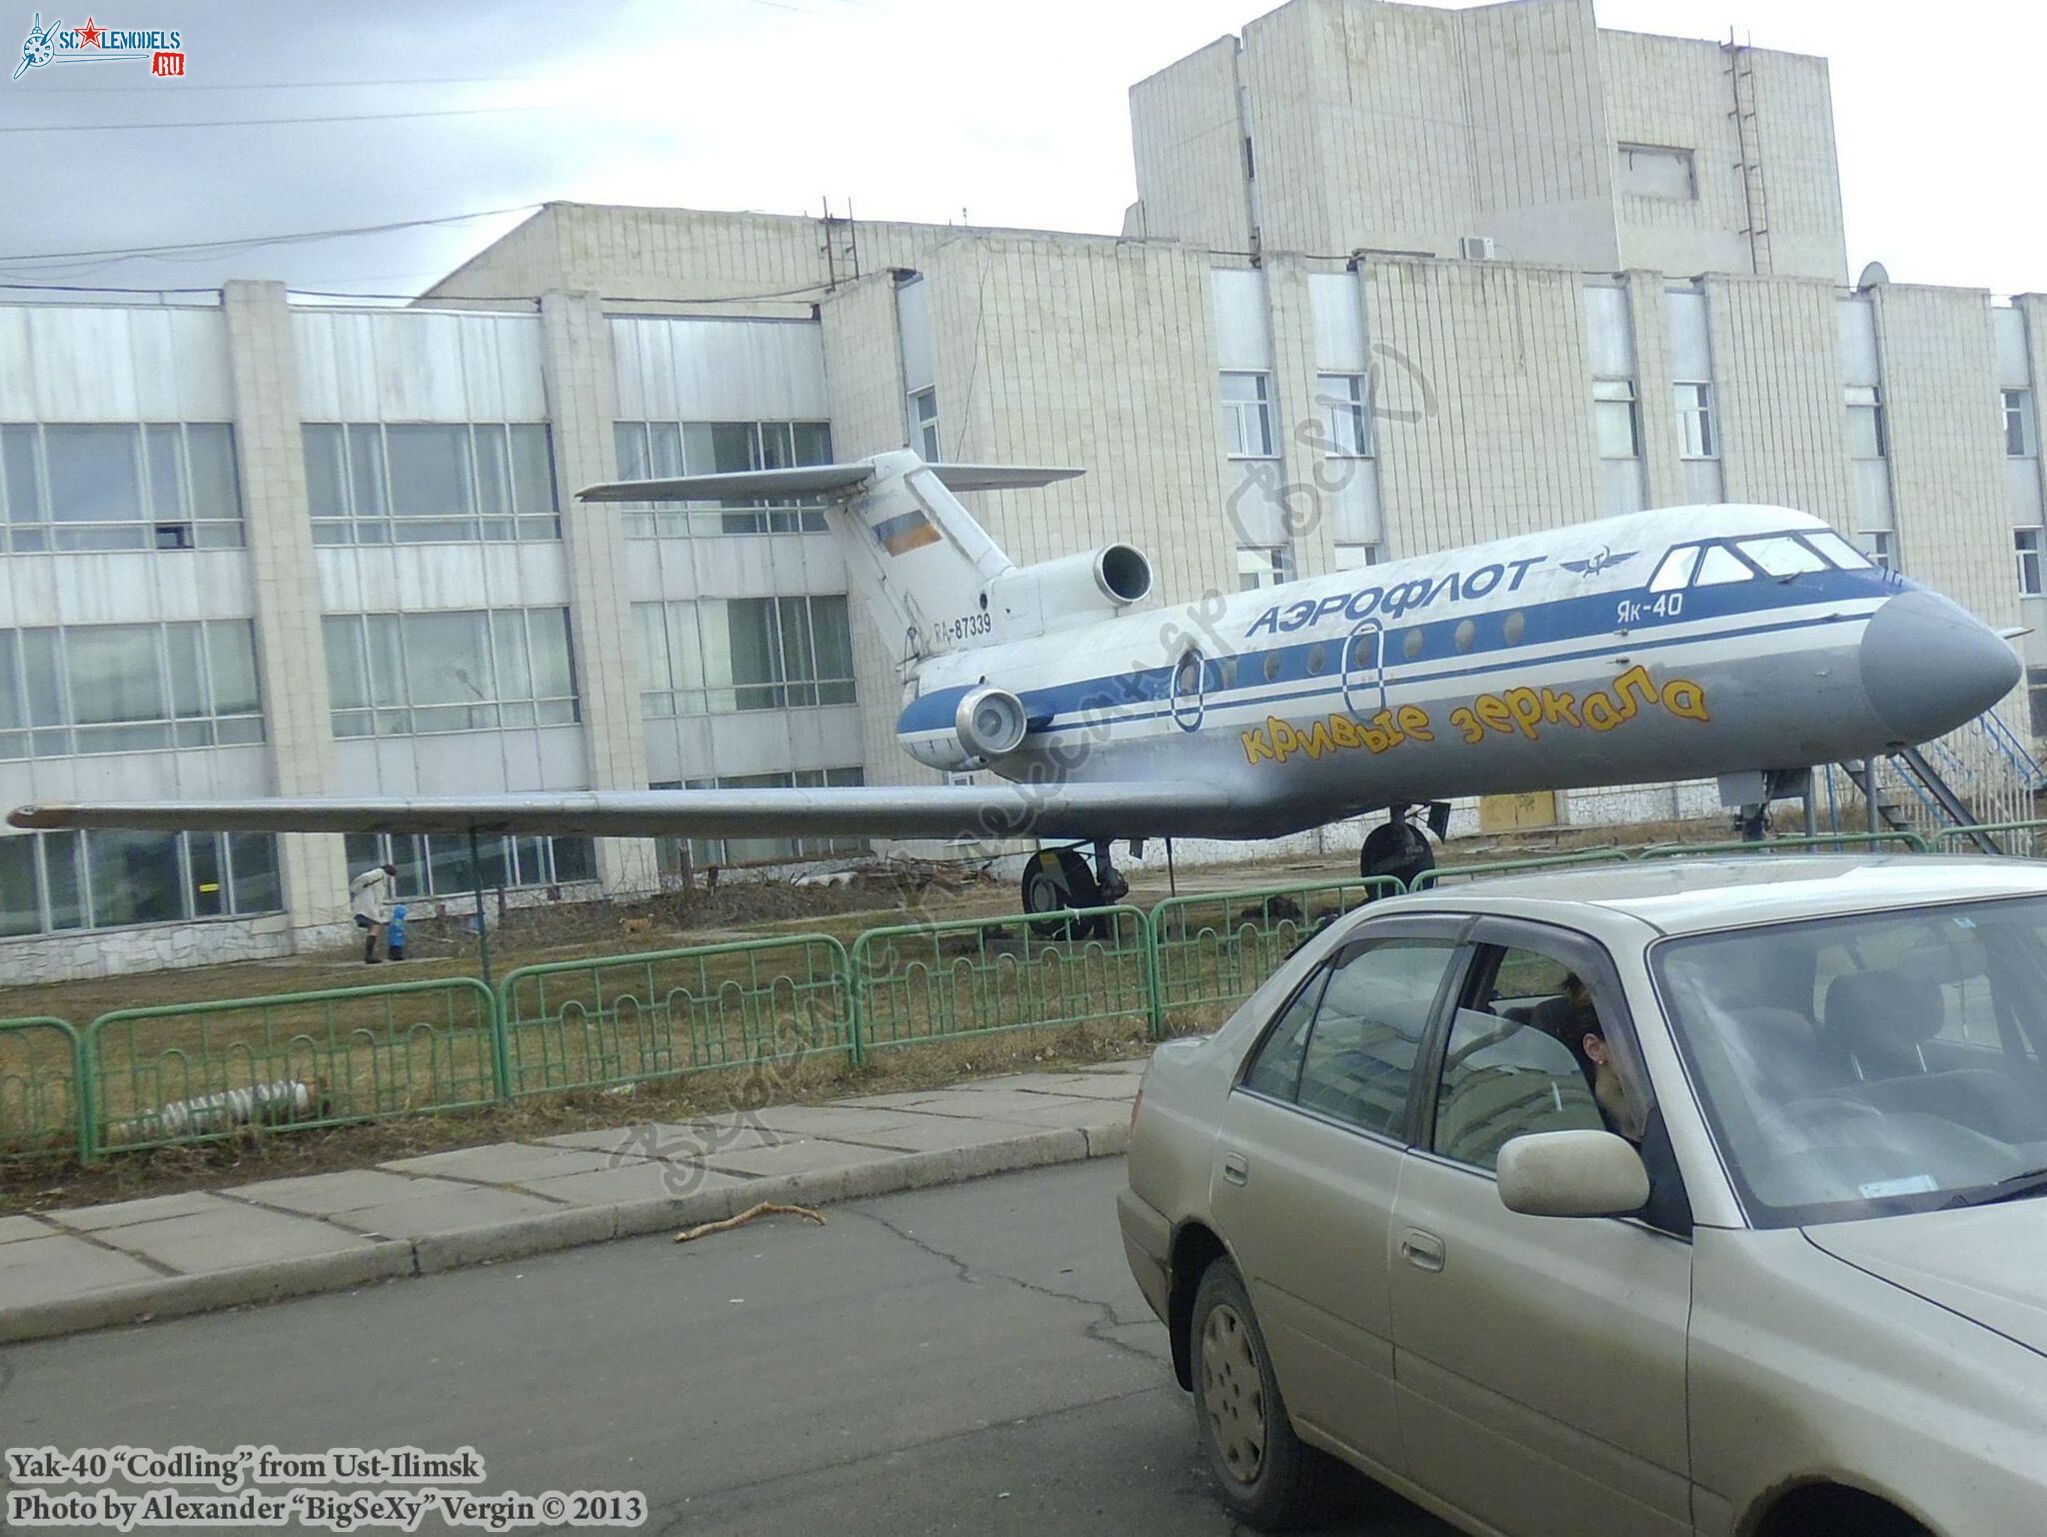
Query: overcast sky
[{"x": 909, "y": 109}]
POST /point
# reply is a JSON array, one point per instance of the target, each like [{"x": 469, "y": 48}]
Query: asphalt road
[{"x": 967, "y": 1359}]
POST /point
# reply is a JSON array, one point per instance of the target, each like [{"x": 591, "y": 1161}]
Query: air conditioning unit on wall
[{"x": 1475, "y": 248}]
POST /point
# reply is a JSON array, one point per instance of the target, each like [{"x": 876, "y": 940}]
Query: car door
[
  {"x": 1540, "y": 1361},
  {"x": 1302, "y": 1191}
]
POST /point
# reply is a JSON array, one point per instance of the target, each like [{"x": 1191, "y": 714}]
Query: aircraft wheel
[
  {"x": 1399, "y": 849},
  {"x": 1058, "y": 880}
]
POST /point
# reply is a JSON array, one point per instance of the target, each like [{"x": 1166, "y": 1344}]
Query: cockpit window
[
  {"x": 1838, "y": 551},
  {"x": 1675, "y": 570},
  {"x": 1719, "y": 566},
  {"x": 1781, "y": 555}
]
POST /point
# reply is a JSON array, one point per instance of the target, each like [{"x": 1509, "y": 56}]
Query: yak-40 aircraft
[{"x": 1678, "y": 644}]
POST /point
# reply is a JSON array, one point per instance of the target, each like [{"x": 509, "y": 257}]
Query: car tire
[{"x": 1266, "y": 1476}]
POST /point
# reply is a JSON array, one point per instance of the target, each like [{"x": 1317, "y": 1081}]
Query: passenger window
[
  {"x": 1367, "y": 1033},
  {"x": 1719, "y": 566},
  {"x": 1503, "y": 1078},
  {"x": 1781, "y": 555},
  {"x": 1277, "y": 1068},
  {"x": 1676, "y": 570}
]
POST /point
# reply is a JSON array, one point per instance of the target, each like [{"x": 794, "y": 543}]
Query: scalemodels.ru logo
[{"x": 93, "y": 43}]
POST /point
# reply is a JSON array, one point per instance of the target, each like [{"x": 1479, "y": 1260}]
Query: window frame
[
  {"x": 1622, "y": 392},
  {"x": 185, "y": 526},
  {"x": 2017, "y": 413},
  {"x": 357, "y": 527},
  {"x": 1698, "y": 434},
  {"x": 1353, "y": 406},
  {"x": 2029, "y": 560},
  {"x": 1874, "y": 405},
  {"x": 1447, "y": 929},
  {"x": 1233, "y": 414},
  {"x": 1488, "y": 937}
]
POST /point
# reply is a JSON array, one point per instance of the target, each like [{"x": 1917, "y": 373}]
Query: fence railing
[
  {"x": 623, "y": 1019},
  {"x": 960, "y": 977},
  {"x": 198, "y": 1072},
  {"x": 42, "y": 1090},
  {"x": 201, "y": 1072}
]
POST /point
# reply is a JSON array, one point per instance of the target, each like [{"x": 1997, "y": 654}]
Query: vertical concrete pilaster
[
  {"x": 1654, "y": 391},
  {"x": 582, "y": 398},
  {"x": 290, "y": 656}
]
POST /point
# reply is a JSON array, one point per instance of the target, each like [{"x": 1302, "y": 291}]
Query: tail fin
[{"x": 911, "y": 549}]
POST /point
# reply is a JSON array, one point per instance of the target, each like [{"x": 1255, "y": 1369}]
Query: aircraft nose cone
[{"x": 1928, "y": 666}]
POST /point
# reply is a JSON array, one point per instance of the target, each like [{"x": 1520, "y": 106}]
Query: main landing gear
[
  {"x": 1061, "y": 879},
  {"x": 1398, "y": 848}
]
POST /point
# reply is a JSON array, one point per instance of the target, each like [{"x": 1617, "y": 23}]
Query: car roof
[{"x": 1688, "y": 895}]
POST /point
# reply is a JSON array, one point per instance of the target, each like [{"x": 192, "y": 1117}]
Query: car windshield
[{"x": 1880, "y": 1063}]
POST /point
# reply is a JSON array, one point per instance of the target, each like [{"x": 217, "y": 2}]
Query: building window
[
  {"x": 1880, "y": 545},
  {"x": 760, "y": 851},
  {"x": 719, "y": 656},
  {"x": 429, "y": 482},
  {"x": 1655, "y": 170},
  {"x": 657, "y": 450},
  {"x": 53, "y": 882},
  {"x": 2026, "y": 546},
  {"x": 2019, "y": 440},
  {"x": 1866, "y": 439},
  {"x": 1262, "y": 566},
  {"x": 459, "y": 670},
  {"x": 1695, "y": 434},
  {"x": 1355, "y": 557},
  {"x": 118, "y": 486},
  {"x": 438, "y": 865},
  {"x": 1613, "y": 418},
  {"x": 1247, "y": 415},
  {"x": 924, "y": 423},
  {"x": 1346, "y": 415},
  {"x": 128, "y": 688}
]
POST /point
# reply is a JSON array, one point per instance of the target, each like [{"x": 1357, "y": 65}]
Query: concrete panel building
[{"x": 1399, "y": 279}]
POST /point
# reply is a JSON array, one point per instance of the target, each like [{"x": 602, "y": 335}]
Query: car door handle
[
  {"x": 1422, "y": 1250},
  {"x": 1236, "y": 1168}
]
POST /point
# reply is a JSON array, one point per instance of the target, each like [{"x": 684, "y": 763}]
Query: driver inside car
[{"x": 1573, "y": 1019}]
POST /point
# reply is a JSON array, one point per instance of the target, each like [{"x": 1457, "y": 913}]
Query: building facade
[{"x": 266, "y": 547}]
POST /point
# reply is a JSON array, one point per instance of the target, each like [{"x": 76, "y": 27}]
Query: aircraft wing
[
  {"x": 811, "y": 480},
  {"x": 991, "y": 811}
]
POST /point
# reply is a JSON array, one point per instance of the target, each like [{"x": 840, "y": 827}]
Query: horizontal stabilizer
[
  {"x": 991, "y": 811},
  {"x": 812, "y": 480}
]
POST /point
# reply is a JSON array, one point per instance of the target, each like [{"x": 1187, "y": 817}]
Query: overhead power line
[{"x": 251, "y": 242}]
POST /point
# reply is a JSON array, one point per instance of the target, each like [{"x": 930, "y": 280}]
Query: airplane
[{"x": 1681, "y": 643}]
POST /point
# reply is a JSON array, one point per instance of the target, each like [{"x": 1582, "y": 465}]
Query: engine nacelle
[
  {"x": 1075, "y": 589},
  {"x": 989, "y": 723}
]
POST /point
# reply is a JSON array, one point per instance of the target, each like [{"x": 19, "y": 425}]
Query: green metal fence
[
  {"x": 1904, "y": 842},
  {"x": 978, "y": 976},
  {"x": 43, "y": 1109},
  {"x": 1215, "y": 948},
  {"x": 198, "y": 1072},
  {"x": 624, "y": 1018},
  {"x": 2027, "y": 844}
]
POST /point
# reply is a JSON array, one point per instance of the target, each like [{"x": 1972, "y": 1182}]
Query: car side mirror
[{"x": 1572, "y": 1174}]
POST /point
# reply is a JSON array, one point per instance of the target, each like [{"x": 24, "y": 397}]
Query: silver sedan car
[{"x": 1691, "y": 1197}]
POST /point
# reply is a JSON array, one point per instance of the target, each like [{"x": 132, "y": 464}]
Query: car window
[
  {"x": 1367, "y": 1032},
  {"x": 1276, "y": 1070},
  {"x": 1503, "y": 1077}
]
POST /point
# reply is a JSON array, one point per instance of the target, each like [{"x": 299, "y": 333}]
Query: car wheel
[{"x": 1266, "y": 1476}]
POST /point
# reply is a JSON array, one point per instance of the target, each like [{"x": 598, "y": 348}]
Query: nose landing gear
[{"x": 1399, "y": 848}]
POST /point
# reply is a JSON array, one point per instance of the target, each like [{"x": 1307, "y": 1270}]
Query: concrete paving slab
[
  {"x": 938, "y": 1132},
  {"x": 505, "y": 1163},
  {"x": 1070, "y": 1112},
  {"x": 807, "y": 1156},
  {"x": 971, "y": 1105},
  {"x": 59, "y": 1265},
  {"x": 833, "y": 1120},
  {"x": 667, "y": 1140},
  {"x": 1131, "y": 1069},
  {"x": 326, "y": 1195},
  {"x": 634, "y": 1182},
  {"x": 93, "y": 1219},
  {"x": 463, "y": 1207},
  {"x": 228, "y": 1238},
  {"x": 15, "y": 1228},
  {"x": 1121, "y": 1086}
]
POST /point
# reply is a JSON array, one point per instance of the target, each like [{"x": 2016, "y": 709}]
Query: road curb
[{"x": 436, "y": 1253}]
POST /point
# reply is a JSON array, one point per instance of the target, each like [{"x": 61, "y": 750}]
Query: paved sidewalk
[{"x": 65, "y": 1271}]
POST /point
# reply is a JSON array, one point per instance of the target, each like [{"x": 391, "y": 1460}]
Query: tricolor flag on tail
[{"x": 906, "y": 532}]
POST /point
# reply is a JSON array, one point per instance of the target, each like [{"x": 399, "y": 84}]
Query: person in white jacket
[{"x": 370, "y": 896}]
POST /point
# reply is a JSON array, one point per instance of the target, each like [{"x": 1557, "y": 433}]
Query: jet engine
[
  {"x": 989, "y": 723},
  {"x": 1075, "y": 589}
]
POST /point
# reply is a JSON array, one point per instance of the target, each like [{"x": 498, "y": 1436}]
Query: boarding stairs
[{"x": 1982, "y": 773}]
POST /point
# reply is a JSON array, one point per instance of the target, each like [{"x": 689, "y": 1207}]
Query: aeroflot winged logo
[
  {"x": 162, "y": 50},
  {"x": 1605, "y": 560}
]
